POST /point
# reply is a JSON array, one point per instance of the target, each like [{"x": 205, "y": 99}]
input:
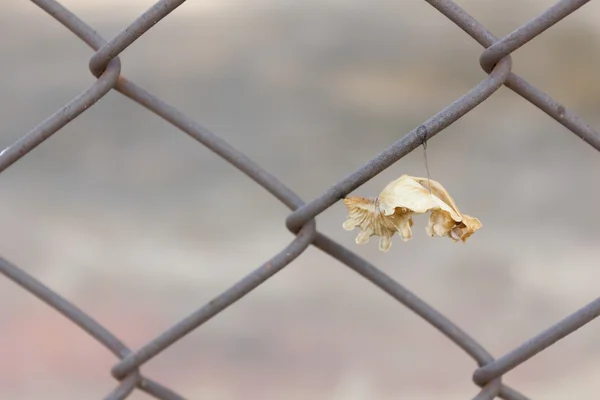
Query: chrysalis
[{"x": 393, "y": 209}]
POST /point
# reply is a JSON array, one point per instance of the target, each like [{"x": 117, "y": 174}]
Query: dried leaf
[{"x": 392, "y": 212}]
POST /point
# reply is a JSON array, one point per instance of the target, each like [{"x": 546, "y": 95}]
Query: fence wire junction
[{"x": 106, "y": 67}]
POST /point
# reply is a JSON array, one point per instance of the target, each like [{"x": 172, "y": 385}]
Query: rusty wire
[{"x": 106, "y": 67}]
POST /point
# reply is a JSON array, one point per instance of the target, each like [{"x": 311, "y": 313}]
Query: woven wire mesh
[{"x": 495, "y": 61}]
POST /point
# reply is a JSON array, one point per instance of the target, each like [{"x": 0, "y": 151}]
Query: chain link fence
[{"x": 495, "y": 61}]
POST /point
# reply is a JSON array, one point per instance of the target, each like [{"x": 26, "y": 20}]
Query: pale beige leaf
[
  {"x": 391, "y": 212},
  {"x": 406, "y": 192}
]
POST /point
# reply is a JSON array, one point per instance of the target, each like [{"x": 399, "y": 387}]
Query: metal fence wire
[{"x": 106, "y": 67}]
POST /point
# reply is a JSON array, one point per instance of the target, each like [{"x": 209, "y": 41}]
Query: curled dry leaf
[{"x": 393, "y": 209}]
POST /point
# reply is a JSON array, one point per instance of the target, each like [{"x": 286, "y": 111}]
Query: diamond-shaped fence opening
[{"x": 106, "y": 66}]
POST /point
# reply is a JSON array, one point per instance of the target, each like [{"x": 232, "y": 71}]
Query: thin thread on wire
[{"x": 422, "y": 133}]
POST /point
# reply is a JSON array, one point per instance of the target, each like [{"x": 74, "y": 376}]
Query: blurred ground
[{"x": 139, "y": 225}]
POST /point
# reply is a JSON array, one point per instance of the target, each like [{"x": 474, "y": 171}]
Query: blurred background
[{"x": 139, "y": 225}]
